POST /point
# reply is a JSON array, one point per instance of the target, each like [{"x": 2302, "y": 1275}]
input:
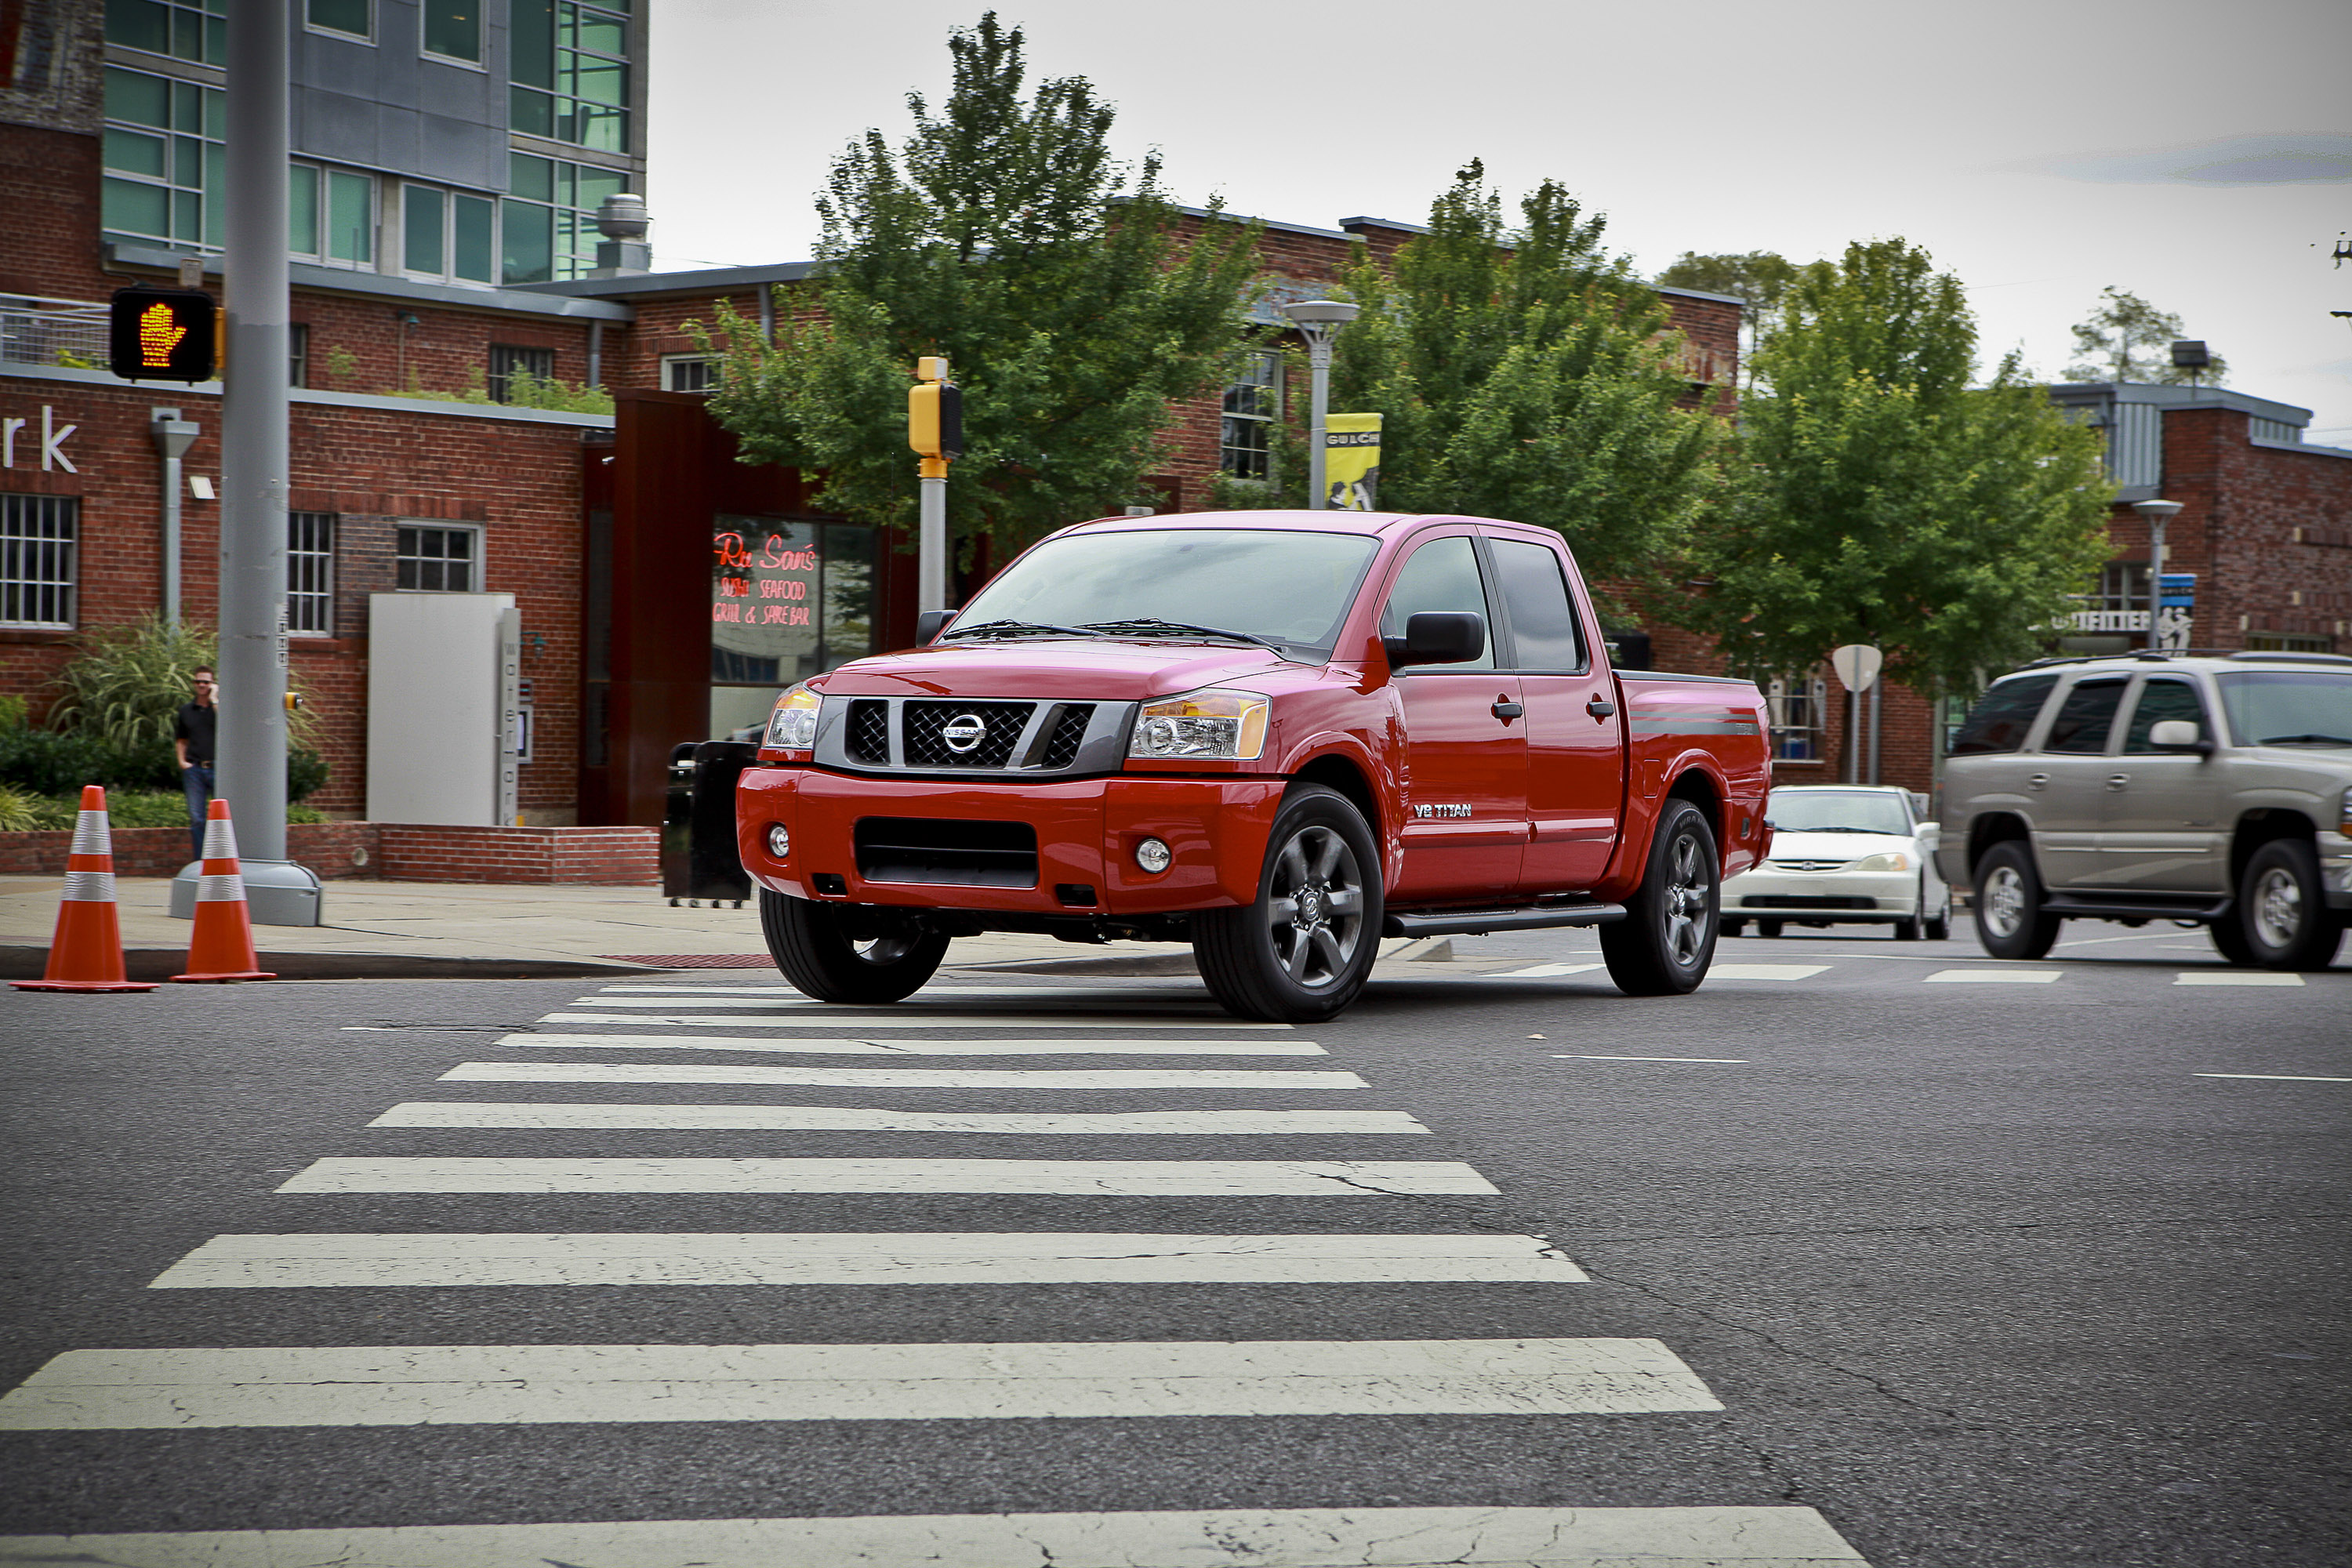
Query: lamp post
[
  {"x": 1316, "y": 320},
  {"x": 173, "y": 437},
  {"x": 2157, "y": 513}
]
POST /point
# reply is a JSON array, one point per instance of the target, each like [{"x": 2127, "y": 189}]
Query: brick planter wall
[{"x": 402, "y": 852}]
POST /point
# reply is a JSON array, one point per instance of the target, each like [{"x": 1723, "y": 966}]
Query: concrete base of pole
[{"x": 276, "y": 893}]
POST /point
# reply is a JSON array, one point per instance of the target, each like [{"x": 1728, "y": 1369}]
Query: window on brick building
[
  {"x": 353, "y": 18},
  {"x": 165, "y": 152},
  {"x": 37, "y": 559},
  {"x": 689, "y": 373},
  {"x": 570, "y": 68},
  {"x": 453, "y": 30},
  {"x": 437, "y": 558},
  {"x": 183, "y": 29},
  {"x": 548, "y": 221},
  {"x": 297, "y": 355},
  {"x": 1797, "y": 704},
  {"x": 507, "y": 361},
  {"x": 331, "y": 215},
  {"x": 1245, "y": 439},
  {"x": 310, "y": 573},
  {"x": 447, "y": 235},
  {"x": 2289, "y": 642}
]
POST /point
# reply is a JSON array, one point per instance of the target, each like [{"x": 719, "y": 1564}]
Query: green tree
[
  {"x": 1522, "y": 372},
  {"x": 1073, "y": 301},
  {"x": 2128, "y": 338},
  {"x": 1881, "y": 499},
  {"x": 1760, "y": 278}
]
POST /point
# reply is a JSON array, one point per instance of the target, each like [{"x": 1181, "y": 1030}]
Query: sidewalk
[{"x": 419, "y": 930}]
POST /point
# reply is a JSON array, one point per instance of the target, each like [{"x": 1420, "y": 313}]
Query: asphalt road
[{"x": 1915, "y": 1269}]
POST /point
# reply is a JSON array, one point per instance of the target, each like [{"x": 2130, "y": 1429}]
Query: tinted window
[
  {"x": 1543, "y": 621},
  {"x": 2289, "y": 707},
  {"x": 1442, "y": 576},
  {"x": 2003, "y": 715},
  {"x": 2085, "y": 717},
  {"x": 2159, "y": 701}
]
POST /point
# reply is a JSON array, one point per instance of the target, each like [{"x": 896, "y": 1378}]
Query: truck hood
[
  {"x": 1105, "y": 670},
  {"x": 1840, "y": 846}
]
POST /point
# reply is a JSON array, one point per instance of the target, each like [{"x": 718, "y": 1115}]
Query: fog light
[
  {"x": 779, "y": 840},
  {"x": 1153, "y": 856}
]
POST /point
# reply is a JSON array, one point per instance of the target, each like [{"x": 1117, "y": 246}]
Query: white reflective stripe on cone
[
  {"x": 220, "y": 840},
  {"x": 89, "y": 888},
  {"x": 90, "y": 836},
  {"x": 228, "y": 890}
]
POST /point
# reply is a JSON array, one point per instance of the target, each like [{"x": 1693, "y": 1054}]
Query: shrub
[
  {"x": 20, "y": 810},
  {"x": 125, "y": 684}
]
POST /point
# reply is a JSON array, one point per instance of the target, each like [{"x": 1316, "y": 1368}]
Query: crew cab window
[
  {"x": 2086, "y": 717},
  {"x": 2003, "y": 716},
  {"x": 2159, "y": 701},
  {"x": 1443, "y": 574},
  {"x": 1544, "y": 634}
]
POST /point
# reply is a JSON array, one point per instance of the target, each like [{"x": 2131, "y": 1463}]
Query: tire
[
  {"x": 1734, "y": 928},
  {"x": 1768, "y": 928},
  {"x": 2229, "y": 934},
  {"x": 1664, "y": 944},
  {"x": 2283, "y": 908},
  {"x": 1915, "y": 928},
  {"x": 2010, "y": 922},
  {"x": 834, "y": 952},
  {"x": 1302, "y": 950}
]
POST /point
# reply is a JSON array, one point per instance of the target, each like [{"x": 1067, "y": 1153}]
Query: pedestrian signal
[
  {"x": 935, "y": 419},
  {"x": 163, "y": 334}
]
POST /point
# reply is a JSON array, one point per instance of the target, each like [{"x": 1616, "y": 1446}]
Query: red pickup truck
[{"x": 1278, "y": 736}]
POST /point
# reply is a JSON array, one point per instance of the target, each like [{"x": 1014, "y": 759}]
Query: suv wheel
[
  {"x": 2010, "y": 922},
  {"x": 838, "y": 953},
  {"x": 1664, "y": 944},
  {"x": 2229, "y": 934},
  {"x": 1304, "y": 949},
  {"x": 2283, "y": 908}
]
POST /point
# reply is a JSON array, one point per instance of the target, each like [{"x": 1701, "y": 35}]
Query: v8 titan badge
[
  {"x": 962, "y": 732},
  {"x": 1454, "y": 812}
]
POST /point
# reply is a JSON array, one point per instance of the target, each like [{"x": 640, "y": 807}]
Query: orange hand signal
[{"x": 159, "y": 333}]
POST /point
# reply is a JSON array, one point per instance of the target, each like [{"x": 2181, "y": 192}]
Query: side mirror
[
  {"x": 929, "y": 623},
  {"x": 1438, "y": 636},
  {"x": 1930, "y": 835},
  {"x": 2179, "y": 735}
]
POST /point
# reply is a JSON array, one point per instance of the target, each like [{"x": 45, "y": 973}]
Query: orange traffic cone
[
  {"x": 85, "y": 954},
  {"x": 221, "y": 947}
]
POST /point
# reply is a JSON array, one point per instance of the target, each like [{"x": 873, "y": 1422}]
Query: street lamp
[
  {"x": 2157, "y": 513},
  {"x": 1316, "y": 320},
  {"x": 173, "y": 437}
]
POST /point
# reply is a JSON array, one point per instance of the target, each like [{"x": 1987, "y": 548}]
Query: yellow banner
[{"x": 1351, "y": 461}]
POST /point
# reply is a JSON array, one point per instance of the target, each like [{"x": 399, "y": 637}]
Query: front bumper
[
  {"x": 1768, "y": 893},
  {"x": 1087, "y": 832}
]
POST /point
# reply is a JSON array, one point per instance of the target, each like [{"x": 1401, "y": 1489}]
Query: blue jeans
[{"x": 196, "y": 778}]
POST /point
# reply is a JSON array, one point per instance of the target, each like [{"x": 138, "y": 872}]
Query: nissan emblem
[{"x": 962, "y": 732}]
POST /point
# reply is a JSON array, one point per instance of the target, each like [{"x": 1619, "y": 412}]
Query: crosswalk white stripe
[
  {"x": 1024, "y": 1257},
  {"x": 900, "y": 1078},
  {"x": 910, "y": 1020},
  {"x": 1548, "y": 972},
  {"x": 2236, "y": 977},
  {"x": 1051, "y": 1178},
  {"x": 1771, "y": 1537},
  {"x": 1998, "y": 976},
  {"x": 825, "y": 1119},
  {"x": 1766, "y": 971},
  {"x": 1079, "y": 1000},
  {"x": 852, "y": 1047},
  {"x": 410, "y": 1385}
]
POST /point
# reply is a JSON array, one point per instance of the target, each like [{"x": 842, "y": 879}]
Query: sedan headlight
[
  {"x": 1215, "y": 723},
  {"x": 1893, "y": 860},
  {"x": 793, "y": 725}
]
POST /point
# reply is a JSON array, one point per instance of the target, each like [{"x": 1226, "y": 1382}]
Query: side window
[
  {"x": 1443, "y": 574},
  {"x": 2003, "y": 716},
  {"x": 2085, "y": 717},
  {"x": 2159, "y": 701},
  {"x": 1544, "y": 633}
]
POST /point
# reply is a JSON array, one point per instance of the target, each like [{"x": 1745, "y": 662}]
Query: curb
[{"x": 162, "y": 963}]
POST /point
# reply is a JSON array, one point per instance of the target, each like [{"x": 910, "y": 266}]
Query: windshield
[
  {"x": 1287, "y": 588},
  {"x": 2289, "y": 707},
  {"x": 1836, "y": 810}
]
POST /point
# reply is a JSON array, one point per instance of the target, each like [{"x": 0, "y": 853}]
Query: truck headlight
[
  {"x": 1214, "y": 723},
  {"x": 793, "y": 725},
  {"x": 1893, "y": 860}
]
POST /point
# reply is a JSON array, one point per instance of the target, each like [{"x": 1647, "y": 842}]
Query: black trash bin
[{"x": 698, "y": 846}]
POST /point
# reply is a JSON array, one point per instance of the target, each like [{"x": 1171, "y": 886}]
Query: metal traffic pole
[
  {"x": 935, "y": 432},
  {"x": 1316, "y": 320}
]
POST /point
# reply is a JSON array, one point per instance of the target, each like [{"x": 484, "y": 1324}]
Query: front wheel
[
  {"x": 1664, "y": 944},
  {"x": 1914, "y": 929},
  {"x": 839, "y": 952},
  {"x": 2283, "y": 906},
  {"x": 1303, "y": 949},
  {"x": 2011, "y": 921}
]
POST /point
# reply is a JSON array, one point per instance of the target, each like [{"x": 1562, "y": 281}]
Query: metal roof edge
[
  {"x": 382, "y": 285},
  {"x": 2180, "y": 397},
  {"x": 316, "y": 396},
  {"x": 701, "y": 281}
]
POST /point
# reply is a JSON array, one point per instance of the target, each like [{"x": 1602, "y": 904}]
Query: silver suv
[{"x": 2214, "y": 789}]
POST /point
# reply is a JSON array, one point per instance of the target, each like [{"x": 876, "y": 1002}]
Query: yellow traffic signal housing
[
  {"x": 935, "y": 419},
  {"x": 163, "y": 334}
]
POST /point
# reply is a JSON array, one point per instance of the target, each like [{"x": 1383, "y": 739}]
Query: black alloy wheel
[
  {"x": 1303, "y": 949},
  {"x": 2229, "y": 934},
  {"x": 2011, "y": 920},
  {"x": 1666, "y": 941},
  {"x": 838, "y": 952},
  {"x": 2283, "y": 908}
]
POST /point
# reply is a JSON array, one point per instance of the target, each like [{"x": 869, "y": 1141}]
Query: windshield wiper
[
  {"x": 2304, "y": 740},
  {"x": 1152, "y": 625},
  {"x": 1881, "y": 831},
  {"x": 1017, "y": 629}
]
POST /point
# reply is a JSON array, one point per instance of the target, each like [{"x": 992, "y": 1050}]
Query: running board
[
  {"x": 1479, "y": 923},
  {"x": 2133, "y": 910}
]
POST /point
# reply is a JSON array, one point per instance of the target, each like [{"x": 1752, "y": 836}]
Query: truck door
[
  {"x": 1466, "y": 771},
  {"x": 1575, "y": 748},
  {"x": 2068, "y": 779},
  {"x": 2163, "y": 829}
]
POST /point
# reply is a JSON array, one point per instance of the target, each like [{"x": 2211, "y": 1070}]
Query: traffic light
[
  {"x": 935, "y": 419},
  {"x": 155, "y": 333}
]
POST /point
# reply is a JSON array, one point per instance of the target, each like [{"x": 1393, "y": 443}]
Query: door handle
[
  {"x": 2037, "y": 781},
  {"x": 1600, "y": 707},
  {"x": 2118, "y": 781},
  {"x": 1506, "y": 709}
]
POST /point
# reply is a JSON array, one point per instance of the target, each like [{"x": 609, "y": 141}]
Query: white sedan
[{"x": 1844, "y": 855}]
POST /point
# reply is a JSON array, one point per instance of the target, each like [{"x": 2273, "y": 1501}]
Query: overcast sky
[{"x": 2197, "y": 154}]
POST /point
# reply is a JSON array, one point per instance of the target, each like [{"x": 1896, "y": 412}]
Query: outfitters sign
[{"x": 1351, "y": 461}]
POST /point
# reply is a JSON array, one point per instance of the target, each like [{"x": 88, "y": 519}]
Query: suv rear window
[
  {"x": 2003, "y": 715},
  {"x": 2085, "y": 717}
]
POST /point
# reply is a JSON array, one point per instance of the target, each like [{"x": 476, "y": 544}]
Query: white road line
[
  {"x": 441, "y": 1259},
  {"x": 825, "y": 1119},
  {"x": 1080, "y": 1002},
  {"x": 1733, "y": 1061},
  {"x": 2234, "y": 977},
  {"x": 1547, "y": 970},
  {"x": 413, "y": 1386},
  {"x": 1186, "y": 994},
  {"x": 880, "y": 1048},
  {"x": 903, "y": 1021},
  {"x": 1049, "y": 1178},
  {"x": 900, "y": 1078},
  {"x": 2276, "y": 1076},
  {"x": 1998, "y": 976},
  {"x": 1236, "y": 1538},
  {"x": 1765, "y": 971}
]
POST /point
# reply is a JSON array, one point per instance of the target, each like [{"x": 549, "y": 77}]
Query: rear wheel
[
  {"x": 838, "y": 952},
  {"x": 1768, "y": 928},
  {"x": 1303, "y": 949},
  {"x": 2010, "y": 922},
  {"x": 1664, "y": 944},
  {"x": 1734, "y": 928},
  {"x": 2282, "y": 906}
]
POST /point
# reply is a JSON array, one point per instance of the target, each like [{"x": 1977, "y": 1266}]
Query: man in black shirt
[{"x": 192, "y": 740}]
